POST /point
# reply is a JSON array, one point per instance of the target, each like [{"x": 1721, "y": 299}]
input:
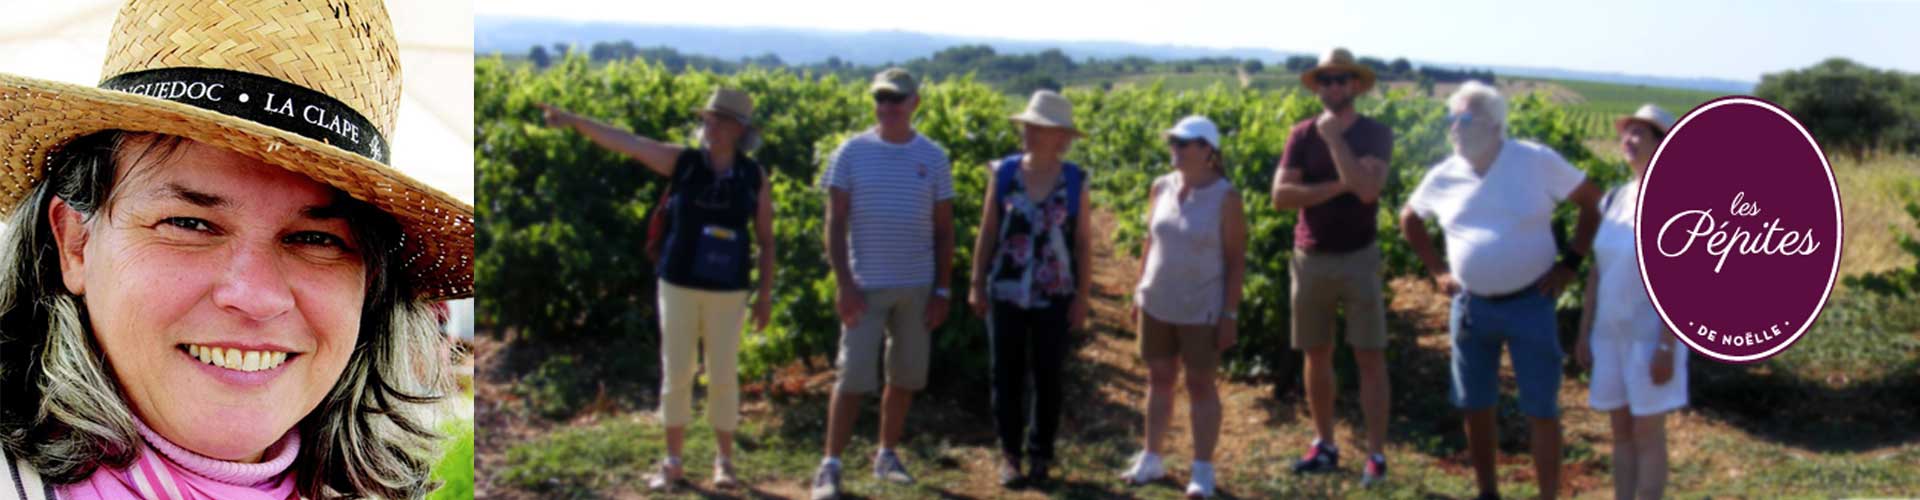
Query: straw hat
[
  {"x": 1048, "y": 109},
  {"x": 1339, "y": 59},
  {"x": 1652, "y": 115},
  {"x": 730, "y": 103},
  {"x": 307, "y": 85}
]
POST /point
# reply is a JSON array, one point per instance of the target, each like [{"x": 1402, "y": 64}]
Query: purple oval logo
[{"x": 1739, "y": 229}]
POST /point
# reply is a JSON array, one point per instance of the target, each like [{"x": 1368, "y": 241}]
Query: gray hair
[
  {"x": 66, "y": 414},
  {"x": 1483, "y": 97},
  {"x": 749, "y": 138}
]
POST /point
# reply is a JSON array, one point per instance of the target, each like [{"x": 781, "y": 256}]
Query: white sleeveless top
[
  {"x": 1185, "y": 279},
  {"x": 1622, "y": 309}
]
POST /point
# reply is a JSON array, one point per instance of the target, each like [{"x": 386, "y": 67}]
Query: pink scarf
[{"x": 165, "y": 471}]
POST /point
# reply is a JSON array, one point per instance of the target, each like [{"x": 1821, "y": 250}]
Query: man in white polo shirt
[
  {"x": 890, "y": 241},
  {"x": 1494, "y": 200}
]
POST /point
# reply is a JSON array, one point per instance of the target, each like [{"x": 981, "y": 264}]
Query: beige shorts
[
  {"x": 1325, "y": 282},
  {"x": 895, "y": 324},
  {"x": 1197, "y": 345}
]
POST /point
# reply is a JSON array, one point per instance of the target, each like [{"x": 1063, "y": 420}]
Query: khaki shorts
[
  {"x": 1326, "y": 281},
  {"x": 895, "y": 323},
  {"x": 1197, "y": 345}
]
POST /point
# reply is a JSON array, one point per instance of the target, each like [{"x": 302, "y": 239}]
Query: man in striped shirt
[{"x": 890, "y": 241}]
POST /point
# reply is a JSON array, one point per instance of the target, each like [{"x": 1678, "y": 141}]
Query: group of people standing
[{"x": 890, "y": 240}]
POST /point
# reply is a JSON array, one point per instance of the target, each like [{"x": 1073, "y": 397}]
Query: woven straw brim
[{"x": 38, "y": 116}]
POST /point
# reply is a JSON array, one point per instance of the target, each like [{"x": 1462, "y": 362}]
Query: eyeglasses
[
  {"x": 1333, "y": 78},
  {"x": 1178, "y": 142},
  {"x": 889, "y": 98}
]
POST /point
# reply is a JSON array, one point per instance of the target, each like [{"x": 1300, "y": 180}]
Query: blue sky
[{"x": 1721, "y": 39}]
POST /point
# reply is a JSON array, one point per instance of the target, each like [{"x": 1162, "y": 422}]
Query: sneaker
[
  {"x": 887, "y": 467},
  {"x": 723, "y": 476},
  {"x": 1146, "y": 468},
  {"x": 826, "y": 483},
  {"x": 1320, "y": 458},
  {"x": 1376, "y": 471},
  {"x": 1201, "y": 484},
  {"x": 1009, "y": 473},
  {"x": 665, "y": 476}
]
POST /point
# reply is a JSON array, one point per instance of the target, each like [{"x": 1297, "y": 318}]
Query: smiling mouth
[{"x": 237, "y": 359}]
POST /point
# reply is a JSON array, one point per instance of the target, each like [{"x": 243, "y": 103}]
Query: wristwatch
[{"x": 943, "y": 293}]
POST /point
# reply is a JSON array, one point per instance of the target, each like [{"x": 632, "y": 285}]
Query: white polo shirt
[{"x": 1499, "y": 228}]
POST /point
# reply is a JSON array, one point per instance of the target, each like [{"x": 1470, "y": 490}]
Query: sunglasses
[
  {"x": 889, "y": 98},
  {"x": 1334, "y": 78},
  {"x": 1177, "y": 142},
  {"x": 1463, "y": 118}
]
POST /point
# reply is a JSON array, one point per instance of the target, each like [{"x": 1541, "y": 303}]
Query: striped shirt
[{"x": 893, "y": 188}]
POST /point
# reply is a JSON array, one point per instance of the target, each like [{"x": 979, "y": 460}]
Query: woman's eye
[
  {"x": 188, "y": 223},
  {"x": 316, "y": 238}
]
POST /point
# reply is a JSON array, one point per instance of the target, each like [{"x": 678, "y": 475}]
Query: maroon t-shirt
[{"x": 1342, "y": 223}]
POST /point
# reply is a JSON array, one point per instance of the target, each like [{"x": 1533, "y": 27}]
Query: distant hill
[{"x": 805, "y": 46}]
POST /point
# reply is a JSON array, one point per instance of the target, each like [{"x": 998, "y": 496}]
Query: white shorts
[{"x": 1623, "y": 376}]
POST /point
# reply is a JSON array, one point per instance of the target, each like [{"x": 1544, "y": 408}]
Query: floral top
[{"x": 1033, "y": 267}]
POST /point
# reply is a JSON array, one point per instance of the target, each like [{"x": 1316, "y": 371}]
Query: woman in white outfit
[{"x": 1639, "y": 368}]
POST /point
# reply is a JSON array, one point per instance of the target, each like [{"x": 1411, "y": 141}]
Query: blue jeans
[{"x": 1526, "y": 325}]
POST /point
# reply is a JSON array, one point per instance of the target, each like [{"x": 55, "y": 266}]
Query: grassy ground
[{"x": 1768, "y": 430}]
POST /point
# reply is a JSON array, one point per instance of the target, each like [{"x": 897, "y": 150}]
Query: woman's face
[
  {"x": 225, "y": 292},
  {"x": 721, "y": 129},
  {"x": 1190, "y": 154},
  {"x": 1051, "y": 140},
  {"x": 1638, "y": 144}
]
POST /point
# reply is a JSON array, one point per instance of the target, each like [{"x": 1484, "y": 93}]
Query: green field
[{"x": 1598, "y": 104}]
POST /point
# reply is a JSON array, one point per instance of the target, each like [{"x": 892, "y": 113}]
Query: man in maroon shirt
[{"x": 1332, "y": 171}]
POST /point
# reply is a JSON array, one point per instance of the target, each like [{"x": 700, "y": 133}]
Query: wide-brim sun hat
[
  {"x": 1339, "y": 59},
  {"x": 1650, "y": 114},
  {"x": 1048, "y": 109},
  {"x": 730, "y": 103},
  {"x": 310, "y": 86},
  {"x": 1195, "y": 127}
]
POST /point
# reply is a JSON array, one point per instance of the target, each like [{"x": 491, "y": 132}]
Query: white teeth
[{"x": 237, "y": 360}]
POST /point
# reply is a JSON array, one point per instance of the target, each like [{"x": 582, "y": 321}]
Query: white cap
[{"x": 1196, "y": 126}]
